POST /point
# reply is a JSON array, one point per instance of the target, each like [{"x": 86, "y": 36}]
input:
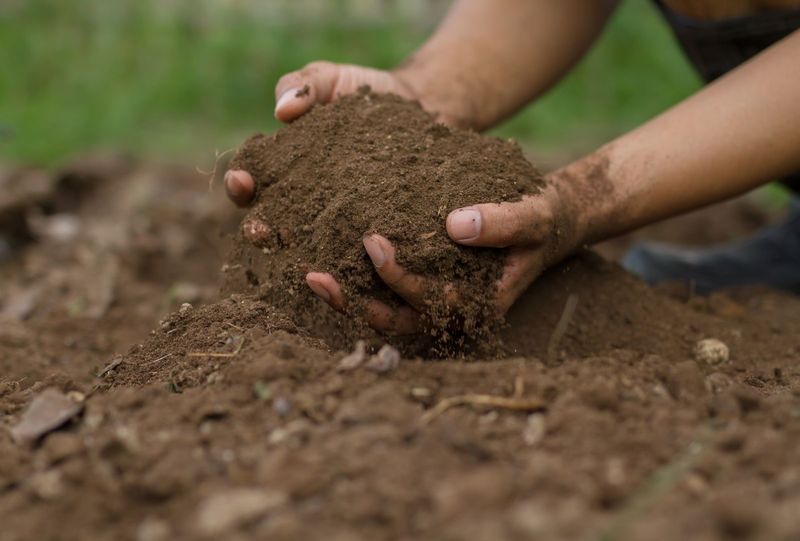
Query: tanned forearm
[
  {"x": 736, "y": 134},
  {"x": 490, "y": 58}
]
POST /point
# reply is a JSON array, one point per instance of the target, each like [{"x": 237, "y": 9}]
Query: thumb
[
  {"x": 500, "y": 225},
  {"x": 296, "y": 92}
]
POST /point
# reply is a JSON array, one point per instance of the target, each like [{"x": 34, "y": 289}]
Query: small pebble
[
  {"x": 185, "y": 307},
  {"x": 227, "y": 510},
  {"x": 534, "y": 430},
  {"x": 711, "y": 351},
  {"x": 421, "y": 393},
  {"x": 354, "y": 359},
  {"x": 282, "y": 406},
  {"x": 386, "y": 360}
]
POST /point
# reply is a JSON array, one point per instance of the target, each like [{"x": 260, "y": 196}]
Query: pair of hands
[{"x": 529, "y": 229}]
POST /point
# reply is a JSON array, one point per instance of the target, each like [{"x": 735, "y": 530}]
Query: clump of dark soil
[{"x": 374, "y": 163}]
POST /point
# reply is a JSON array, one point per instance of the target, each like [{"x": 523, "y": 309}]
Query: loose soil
[
  {"x": 208, "y": 417},
  {"x": 374, "y": 163}
]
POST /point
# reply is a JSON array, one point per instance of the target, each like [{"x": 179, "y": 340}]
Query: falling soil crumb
[{"x": 375, "y": 163}]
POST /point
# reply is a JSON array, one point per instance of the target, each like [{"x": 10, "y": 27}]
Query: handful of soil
[{"x": 375, "y": 163}]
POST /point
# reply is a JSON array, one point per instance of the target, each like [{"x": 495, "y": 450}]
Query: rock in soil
[
  {"x": 229, "y": 509},
  {"x": 386, "y": 360},
  {"x": 711, "y": 351}
]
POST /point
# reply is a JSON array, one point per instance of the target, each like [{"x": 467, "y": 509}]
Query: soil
[
  {"x": 208, "y": 417},
  {"x": 374, "y": 163}
]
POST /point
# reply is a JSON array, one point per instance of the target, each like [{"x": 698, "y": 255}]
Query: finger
[
  {"x": 378, "y": 315},
  {"x": 327, "y": 288},
  {"x": 499, "y": 225},
  {"x": 384, "y": 318},
  {"x": 296, "y": 92},
  {"x": 413, "y": 288},
  {"x": 240, "y": 187},
  {"x": 521, "y": 269}
]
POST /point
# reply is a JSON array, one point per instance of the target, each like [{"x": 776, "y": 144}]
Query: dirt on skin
[
  {"x": 374, "y": 163},
  {"x": 230, "y": 421}
]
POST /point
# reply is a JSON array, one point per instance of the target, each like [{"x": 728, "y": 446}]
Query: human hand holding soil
[
  {"x": 534, "y": 231},
  {"x": 317, "y": 83},
  {"x": 731, "y": 137}
]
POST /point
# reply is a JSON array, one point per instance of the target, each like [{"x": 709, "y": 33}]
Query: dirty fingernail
[
  {"x": 464, "y": 224},
  {"x": 286, "y": 97},
  {"x": 319, "y": 289},
  {"x": 374, "y": 251}
]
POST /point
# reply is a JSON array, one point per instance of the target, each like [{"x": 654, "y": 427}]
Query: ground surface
[{"x": 226, "y": 420}]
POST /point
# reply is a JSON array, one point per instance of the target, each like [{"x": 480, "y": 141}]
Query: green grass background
[{"x": 180, "y": 78}]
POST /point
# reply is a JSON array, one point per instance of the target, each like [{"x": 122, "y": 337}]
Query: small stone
[
  {"x": 232, "y": 508},
  {"x": 711, "y": 351},
  {"x": 355, "y": 359},
  {"x": 48, "y": 411},
  {"x": 534, "y": 430},
  {"x": 386, "y": 360},
  {"x": 185, "y": 308},
  {"x": 421, "y": 393},
  {"x": 282, "y": 406}
]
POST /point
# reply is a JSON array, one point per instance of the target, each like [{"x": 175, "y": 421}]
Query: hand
[
  {"x": 318, "y": 82},
  {"x": 537, "y": 232}
]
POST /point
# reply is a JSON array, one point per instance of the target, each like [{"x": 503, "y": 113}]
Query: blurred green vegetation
[{"x": 181, "y": 78}]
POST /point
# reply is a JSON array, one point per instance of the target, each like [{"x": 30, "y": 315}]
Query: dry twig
[
  {"x": 109, "y": 367},
  {"x": 503, "y": 402},
  {"x": 238, "y": 328},
  {"x": 233, "y": 353},
  {"x": 148, "y": 363},
  {"x": 213, "y": 173}
]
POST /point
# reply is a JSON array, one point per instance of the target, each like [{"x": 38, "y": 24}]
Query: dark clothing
[{"x": 717, "y": 47}]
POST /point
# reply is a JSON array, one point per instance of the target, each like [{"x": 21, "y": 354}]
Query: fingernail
[
  {"x": 232, "y": 184},
  {"x": 317, "y": 288},
  {"x": 374, "y": 251},
  {"x": 464, "y": 224},
  {"x": 286, "y": 97}
]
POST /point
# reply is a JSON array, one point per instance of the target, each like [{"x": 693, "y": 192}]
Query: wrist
[
  {"x": 445, "y": 97},
  {"x": 587, "y": 197},
  {"x": 567, "y": 234}
]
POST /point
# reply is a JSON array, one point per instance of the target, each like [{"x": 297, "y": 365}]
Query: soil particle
[{"x": 373, "y": 163}]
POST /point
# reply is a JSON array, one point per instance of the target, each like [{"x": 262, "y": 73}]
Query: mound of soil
[{"x": 374, "y": 163}]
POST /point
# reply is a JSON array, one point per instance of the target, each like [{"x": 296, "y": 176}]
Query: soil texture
[{"x": 180, "y": 414}]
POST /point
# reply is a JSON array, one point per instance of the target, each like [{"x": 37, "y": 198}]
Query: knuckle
[
  {"x": 314, "y": 67},
  {"x": 393, "y": 276}
]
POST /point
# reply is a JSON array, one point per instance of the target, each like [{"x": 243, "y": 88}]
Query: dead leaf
[{"x": 48, "y": 411}]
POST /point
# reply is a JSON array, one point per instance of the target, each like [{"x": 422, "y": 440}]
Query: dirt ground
[{"x": 190, "y": 416}]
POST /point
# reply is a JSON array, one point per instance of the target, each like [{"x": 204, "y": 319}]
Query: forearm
[
  {"x": 736, "y": 134},
  {"x": 490, "y": 58}
]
